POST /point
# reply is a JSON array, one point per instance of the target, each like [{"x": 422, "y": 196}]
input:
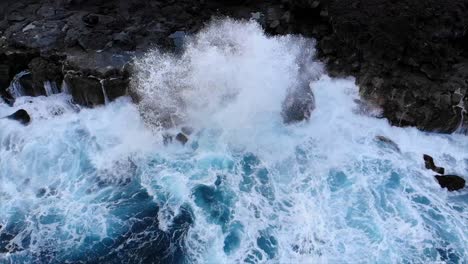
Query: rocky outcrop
[
  {"x": 94, "y": 78},
  {"x": 410, "y": 58},
  {"x": 298, "y": 105},
  {"x": 430, "y": 165},
  {"x": 451, "y": 182},
  {"x": 21, "y": 116}
]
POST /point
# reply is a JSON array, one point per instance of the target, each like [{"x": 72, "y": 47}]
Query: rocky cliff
[{"x": 409, "y": 57}]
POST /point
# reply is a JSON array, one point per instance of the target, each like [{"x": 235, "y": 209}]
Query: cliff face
[{"x": 409, "y": 57}]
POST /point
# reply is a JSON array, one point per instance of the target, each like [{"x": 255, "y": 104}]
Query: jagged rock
[
  {"x": 451, "y": 182},
  {"x": 408, "y": 57},
  {"x": 298, "y": 105},
  {"x": 386, "y": 35},
  {"x": 85, "y": 90},
  {"x": 4, "y": 76},
  {"x": 91, "y": 74},
  {"x": 21, "y": 116},
  {"x": 115, "y": 87},
  {"x": 430, "y": 165},
  {"x": 123, "y": 41},
  {"x": 23, "y": 85},
  {"x": 43, "y": 70}
]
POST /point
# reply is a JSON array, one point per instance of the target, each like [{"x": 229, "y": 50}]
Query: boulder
[
  {"x": 43, "y": 70},
  {"x": 298, "y": 105},
  {"x": 4, "y": 76},
  {"x": 85, "y": 90},
  {"x": 21, "y": 116},
  {"x": 410, "y": 68},
  {"x": 115, "y": 87},
  {"x": 451, "y": 182},
  {"x": 430, "y": 165}
]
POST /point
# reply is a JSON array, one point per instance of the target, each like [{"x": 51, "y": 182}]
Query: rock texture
[
  {"x": 430, "y": 165},
  {"x": 451, "y": 182},
  {"x": 21, "y": 116},
  {"x": 409, "y": 57}
]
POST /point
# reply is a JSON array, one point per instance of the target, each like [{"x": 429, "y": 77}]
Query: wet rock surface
[
  {"x": 298, "y": 105},
  {"x": 408, "y": 57},
  {"x": 21, "y": 116},
  {"x": 451, "y": 182},
  {"x": 430, "y": 165}
]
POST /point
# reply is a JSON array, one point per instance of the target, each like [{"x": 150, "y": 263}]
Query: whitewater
[{"x": 100, "y": 185}]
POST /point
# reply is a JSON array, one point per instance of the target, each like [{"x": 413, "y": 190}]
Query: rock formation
[{"x": 408, "y": 57}]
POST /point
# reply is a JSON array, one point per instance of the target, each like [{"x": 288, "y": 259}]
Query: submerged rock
[
  {"x": 451, "y": 182},
  {"x": 21, "y": 116},
  {"x": 182, "y": 138},
  {"x": 298, "y": 105},
  {"x": 388, "y": 142},
  {"x": 167, "y": 138},
  {"x": 430, "y": 165}
]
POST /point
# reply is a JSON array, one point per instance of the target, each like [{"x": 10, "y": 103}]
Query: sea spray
[
  {"x": 230, "y": 73},
  {"x": 99, "y": 185},
  {"x": 16, "y": 89}
]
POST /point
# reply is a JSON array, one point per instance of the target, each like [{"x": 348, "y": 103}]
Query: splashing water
[
  {"x": 16, "y": 89},
  {"x": 99, "y": 185},
  {"x": 50, "y": 88}
]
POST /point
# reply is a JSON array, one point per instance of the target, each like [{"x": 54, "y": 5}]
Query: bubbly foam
[{"x": 99, "y": 184}]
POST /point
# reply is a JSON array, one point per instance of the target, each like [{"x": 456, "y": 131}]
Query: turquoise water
[{"x": 100, "y": 186}]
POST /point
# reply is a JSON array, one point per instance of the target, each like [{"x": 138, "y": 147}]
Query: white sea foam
[{"x": 322, "y": 191}]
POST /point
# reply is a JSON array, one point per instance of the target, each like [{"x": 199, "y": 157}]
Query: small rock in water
[
  {"x": 21, "y": 116},
  {"x": 41, "y": 192},
  {"x": 388, "y": 142},
  {"x": 298, "y": 105},
  {"x": 451, "y": 182},
  {"x": 182, "y": 138},
  {"x": 430, "y": 165},
  {"x": 167, "y": 138}
]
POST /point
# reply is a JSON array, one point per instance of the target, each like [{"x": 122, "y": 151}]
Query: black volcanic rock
[
  {"x": 430, "y": 165},
  {"x": 85, "y": 90},
  {"x": 409, "y": 57},
  {"x": 451, "y": 182},
  {"x": 21, "y": 116},
  {"x": 298, "y": 105}
]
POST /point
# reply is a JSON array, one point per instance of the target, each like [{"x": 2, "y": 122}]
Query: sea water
[{"x": 100, "y": 185}]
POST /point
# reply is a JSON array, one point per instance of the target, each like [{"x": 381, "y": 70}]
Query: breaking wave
[{"x": 101, "y": 185}]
